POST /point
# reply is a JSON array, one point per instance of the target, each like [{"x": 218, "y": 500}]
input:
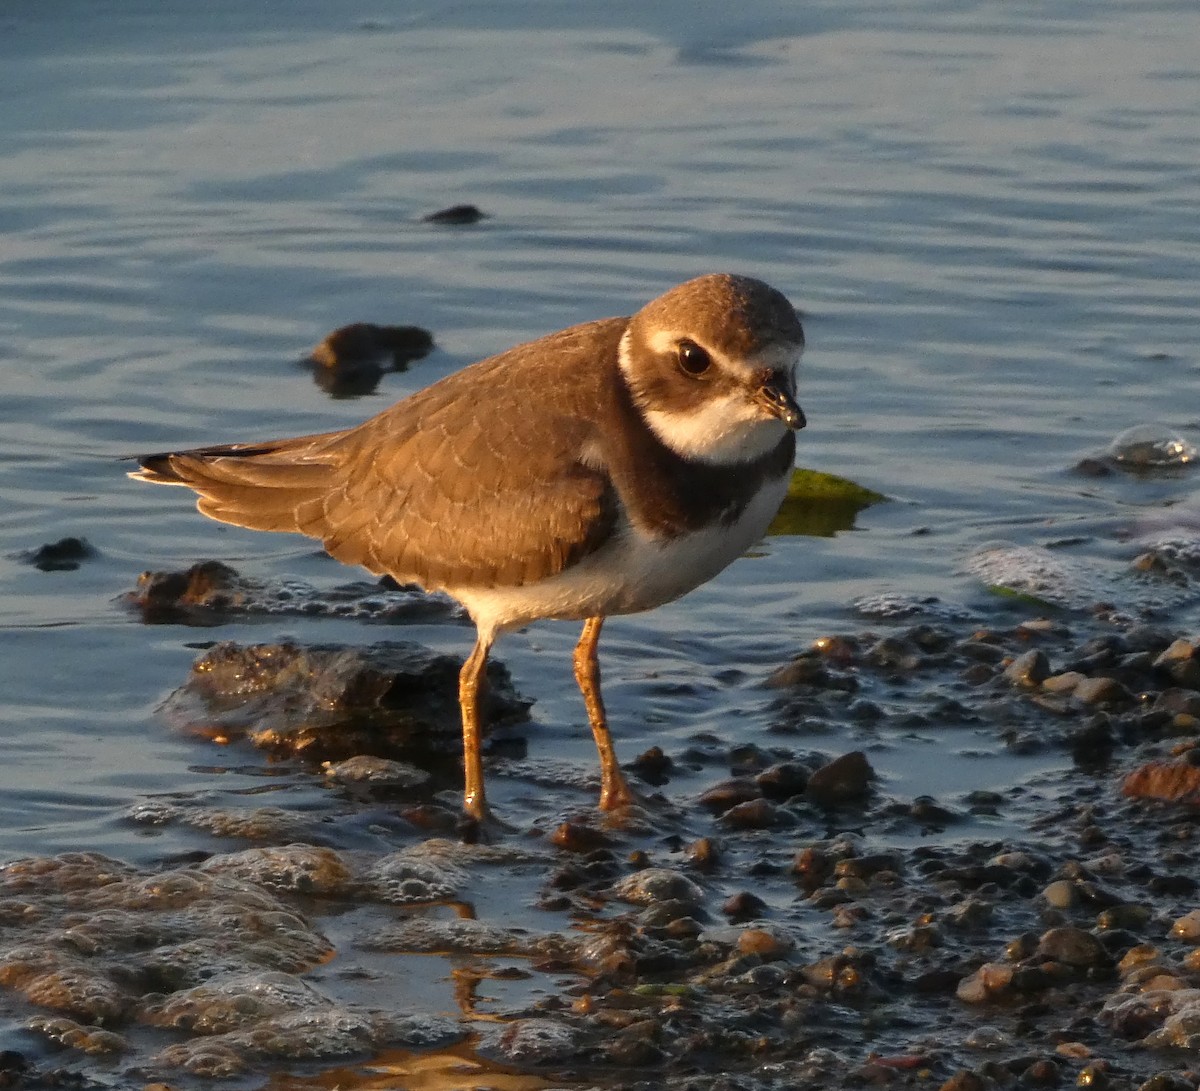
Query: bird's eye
[{"x": 693, "y": 360}]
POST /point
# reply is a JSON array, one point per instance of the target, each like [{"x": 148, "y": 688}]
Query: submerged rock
[
  {"x": 65, "y": 555},
  {"x": 329, "y": 702},
  {"x": 104, "y": 936},
  {"x": 1151, "y": 447},
  {"x": 208, "y": 591},
  {"x": 352, "y": 359},
  {"x": 456, "y": 214}
]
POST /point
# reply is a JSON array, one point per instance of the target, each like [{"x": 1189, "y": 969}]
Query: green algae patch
[
  {"x": 1014, "y": 594},
  {"x": 820, "y": 505}
]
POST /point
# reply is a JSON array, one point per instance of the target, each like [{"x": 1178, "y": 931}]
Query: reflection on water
[{"x": 443, "y": 1070}]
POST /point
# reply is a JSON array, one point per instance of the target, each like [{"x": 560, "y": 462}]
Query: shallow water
[{"x": 988, "y": 214}]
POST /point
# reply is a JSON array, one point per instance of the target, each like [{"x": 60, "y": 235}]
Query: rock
[
  {"x": 754, "y": 814},
  {"x": 205, "y": 592},
  {"x": 329, "y": 702},
  {"x": 1061, "y": 894},
  {"x": 456, "y": 215},
  {"x": 1064, "y": 683},
  {"x": 653, "y": 766},
  {"x": 729, "y": 793},
  {"x": 1177, "y": 651},
  {"x": 1029, "y": 669},
  {"x": 364, "y": 769},
  {"x": 1073, "y": 947},
  {"x": 783, "y": 780},
  {"x": 807, "y": 669},
  {"x": 846, "y": 779},
  {"x": 656, "y": 885},
  {"x": 703, "y": 854},
  {"x": 298, "y": 869},
  {"x": 768, "y": 944},
  {"x": 964, "y": 1080},
  {"x": 65, "y": 555},
  {"x": 743, "y": 906},
  {"x": 1147, "y": 447},
  {"x": 1102, "y": 691},
  {"x": 986, "y": 983},
  {"x": 578, "y": 837},
  {"x": 1176, "y": 782},
  {"x": 1187, "y": 927},
  {"x": 352, "y": 359}
]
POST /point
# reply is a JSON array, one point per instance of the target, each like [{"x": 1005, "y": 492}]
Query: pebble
[
  {"x": 1102, "y": 690},
  {"x": 1029, "y": 669},
  {"x": 1187, "y": 927},
  {"x": 656, "y": 885},
  {"x": 743, "y": 906},
  {"x": 767, "y": 944},
  {"x": 1061, "y": 894},
  {"x": 1072, "y": 946},
  {"x": 846, "y": 779},
  {"x": 990, "y": 980},
  {"x": 754, "y": 814}
]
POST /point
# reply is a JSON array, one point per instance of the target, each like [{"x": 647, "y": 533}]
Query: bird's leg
[
  {"x": 470, "y": 685},
  {"x": 614, "y": 791}
]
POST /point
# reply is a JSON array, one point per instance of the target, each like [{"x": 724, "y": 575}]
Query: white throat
[{"x": 726, "y": 430}]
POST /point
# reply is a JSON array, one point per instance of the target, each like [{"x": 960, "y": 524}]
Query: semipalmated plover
[{"x": 605, "y": 469}]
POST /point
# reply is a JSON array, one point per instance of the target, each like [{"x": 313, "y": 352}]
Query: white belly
[{"x": 632, "y": 572}]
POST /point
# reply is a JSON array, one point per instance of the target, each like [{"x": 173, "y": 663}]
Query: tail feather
[{"x": 263, "y": 486}]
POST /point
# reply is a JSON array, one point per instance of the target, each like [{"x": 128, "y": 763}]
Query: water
[{"x": 989, "y": 214}]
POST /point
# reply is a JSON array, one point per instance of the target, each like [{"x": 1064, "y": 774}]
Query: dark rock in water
[
  {"x": 208, "y": 591},
  {"x": 352, "y": 359},
  {"x": 783, "y": 780},
  {"x": 456, "y": 214},
  {"x": 844, "y": 780},
  {"x": 653, "y": 766},
  {"x": 330, "y": 702},
  {"x": 164, "y": 596},
  {"x": 1072, "y": 947},
  {"x": 744, "y": 906},
  {"x": 61, "y": 556},
  {"x": 1146, "y": 447}
]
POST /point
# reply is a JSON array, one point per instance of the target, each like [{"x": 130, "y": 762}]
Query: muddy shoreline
[{"x": 793, "y": 924}]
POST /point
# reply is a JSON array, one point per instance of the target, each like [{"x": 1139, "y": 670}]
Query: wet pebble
[
  {"x": 755, "y": 814},
  {"x": 533, "y": 1041},
  {"x": 364, "y": 768},
  {"x": 1073, "y": 947},
  {"x": 846, "y": 779},
  {"x": 301, "y": 869},
  {"x": 1187, "y": 927},
  {"x": 1030, "y": 669},
  {"x": 1173, "y": 781},
  {"x": 656, "y": 885},
  {"x": 743, "y": 906}
]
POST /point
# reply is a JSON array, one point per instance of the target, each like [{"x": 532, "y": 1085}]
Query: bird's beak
[{"x": 777, "y": 400}]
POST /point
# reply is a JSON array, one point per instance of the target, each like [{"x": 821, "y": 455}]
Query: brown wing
[{"x": 478, "y": 480}]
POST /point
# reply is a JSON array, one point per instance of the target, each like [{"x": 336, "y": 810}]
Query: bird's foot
[{"x": 483, "y": 827}]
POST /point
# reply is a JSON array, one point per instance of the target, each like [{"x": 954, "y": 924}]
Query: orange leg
[
  {"x": 614, "y": 791},
  {"x": 470, "y": 683}
]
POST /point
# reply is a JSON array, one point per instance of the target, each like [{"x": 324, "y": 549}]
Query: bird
[{"x": 602, "y": 470}]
